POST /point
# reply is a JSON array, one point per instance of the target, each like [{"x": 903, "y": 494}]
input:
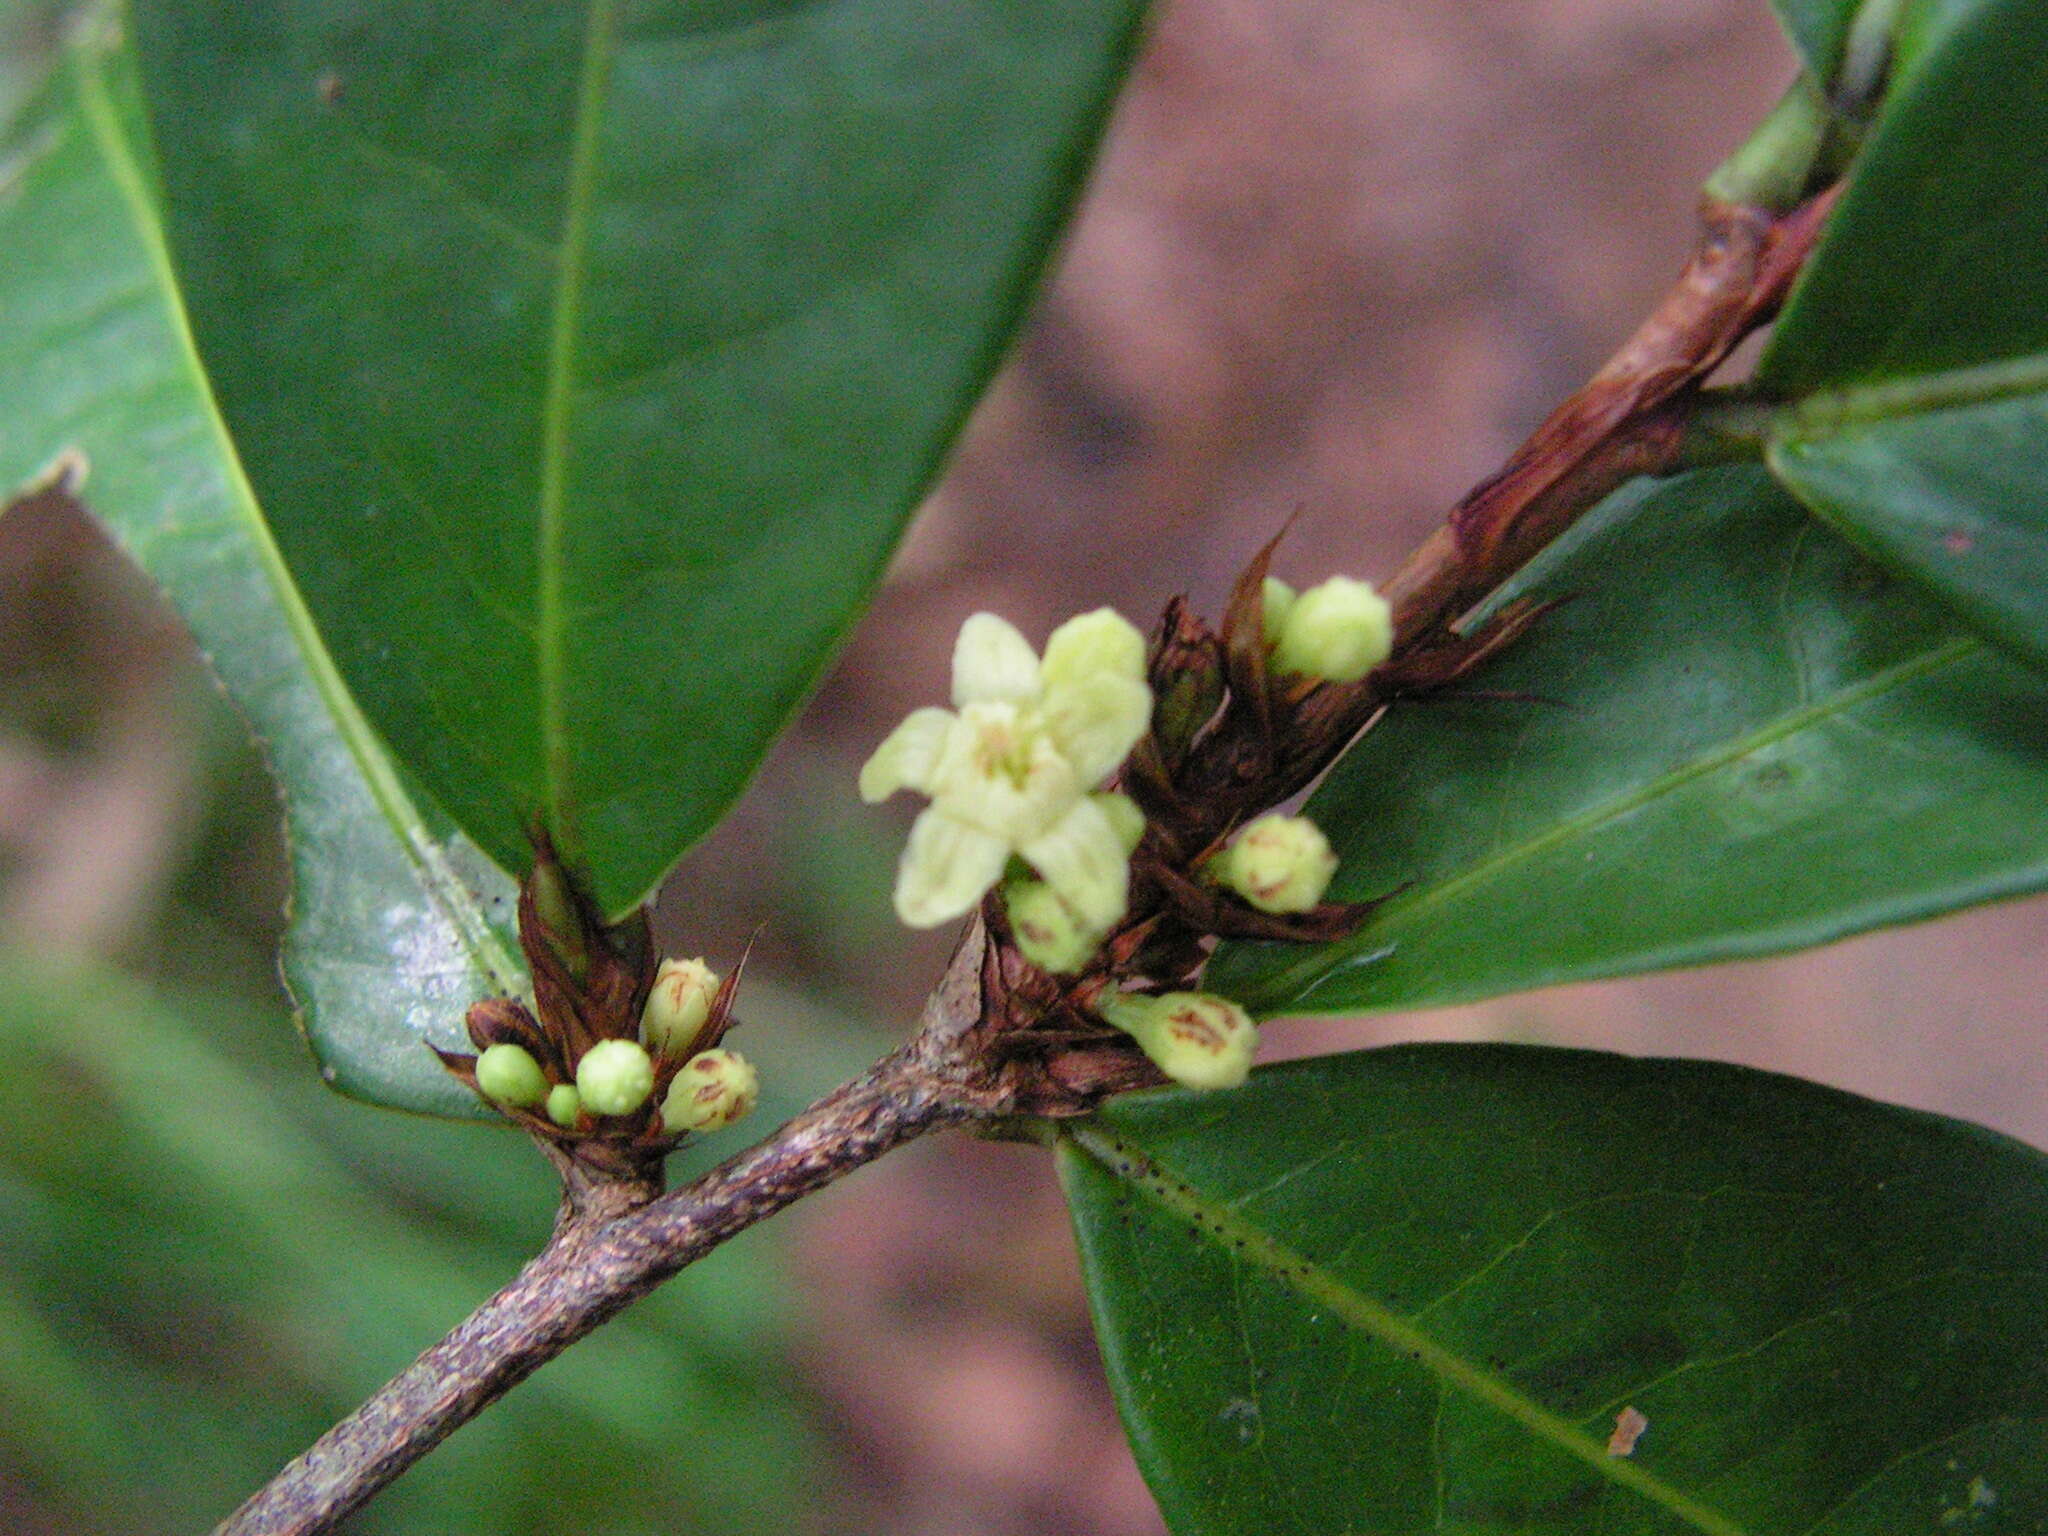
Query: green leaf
[
  {"x": 1923, "y": 319},
  {"x": 1937, "y": 256},
  {"x": 397, "y": 923},
  {"x": 1954, "y": 495},
  {"x": 1412, "y": 1290},
  {"x": 589, "y": 358},
  {"x": 1737, "y": 737}
]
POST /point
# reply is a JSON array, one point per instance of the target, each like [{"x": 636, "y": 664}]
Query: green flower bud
[
  {"x": 565, "y": 1104},
  {"x": 678, "y": 1007},
  {"x": 1338, "y": 631},
  {"x": 1278, "y": 864},
  {"x": 713, "y": 1089},
  {"x": 1277, "y": 601},
  {"x": 1198, "y": 1040},
  {"x": 1124, "y": 815},
  {"x": 614, "y": 1077},
  {"x": 1049, "y": 933},
  {"x": 509, "y": 1074}
]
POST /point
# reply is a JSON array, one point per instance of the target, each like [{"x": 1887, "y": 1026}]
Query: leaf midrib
[
  {"x": 557, "y": 402},
  {"x": 396, "y": 806},
  {"x": 1305, "y": 975},
  {"x": 1252, "y": 1244}
]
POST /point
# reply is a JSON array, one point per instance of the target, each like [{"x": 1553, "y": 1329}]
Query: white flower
[{"x": 1009, "y": 768}]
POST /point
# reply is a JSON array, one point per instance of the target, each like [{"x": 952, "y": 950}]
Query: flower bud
[
  {"x": 1338, "y": 631},
  {"x": 678, "y": 1007},
  {"x": 1198, "y": 1040},
  {"x": 713, "y": 1089},
  {"x": 1124, "y": 815},
  {"x": 1277, "y": 600},
  {"x": 1049, "y": 933},
  {"x": 614, "y": 1077},
  {"x": 1278, "y": 864},
  {"x": 565, "y": 1104},
  {"x": 509, "y": 1074}
]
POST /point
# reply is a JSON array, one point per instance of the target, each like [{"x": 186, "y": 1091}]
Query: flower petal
[
  {"x": 1091, "y": 644},
  {"x": 908, "y": 757},
  {"x": 992, "y": 663},
  {"x": 947, "y": 867},
  {"x": 1097, "y": 720},
  {"x": 1082, "y": 858}
]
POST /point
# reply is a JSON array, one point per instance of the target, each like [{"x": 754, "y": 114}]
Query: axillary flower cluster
[
  {"x": 620, "y": 1055},
  {"x": 1014, "y": 770}
]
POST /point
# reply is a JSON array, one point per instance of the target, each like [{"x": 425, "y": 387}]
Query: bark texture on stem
[{"x": 614, "y": 1242}]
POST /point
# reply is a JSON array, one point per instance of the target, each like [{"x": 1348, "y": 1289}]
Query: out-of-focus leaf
[
  {"x": 588, "y": 358},
  {"x": 1737, "y": 737},
  {"x": 209, "y": 1260},
  {"x": 1415, "y": 1290},
  {"x": 397, "y": 923}
]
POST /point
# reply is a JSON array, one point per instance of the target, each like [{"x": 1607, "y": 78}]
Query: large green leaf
[
  {"x": 1413, "y": 1290},
  {"x": 588, "y": 358},
  {"x": 1924, "y": 320},
  {"x": 1740, "y": 737},
  {"x": 398, "y": 925},
  {"x": 1937, "y": 256}
]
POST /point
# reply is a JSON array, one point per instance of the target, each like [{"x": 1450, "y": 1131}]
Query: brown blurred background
[{"x": 1339, "y": 255}]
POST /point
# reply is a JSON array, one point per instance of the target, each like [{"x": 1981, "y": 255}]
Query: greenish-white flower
[{"x": 1009, "y": 768}]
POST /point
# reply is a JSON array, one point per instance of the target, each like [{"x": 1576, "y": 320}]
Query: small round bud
[
  {"x": 614, "y": 1077},
  {"x": 1338, "y": 631},
  {"x": 713, "y": 1089},
  {"x": 1276, "y": 601},
  {"x": 1198, "y": 1040},
  {"x": 509, "y": 1074},
  {"x": 1278, "y": 864},
  {"x": 565, "y": 1104},
  {"x": 1051, "y": 936},
  {"x": 678, "y": 1006}
]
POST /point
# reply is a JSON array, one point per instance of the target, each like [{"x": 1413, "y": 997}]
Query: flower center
[{"x": 1004, "y": 747}]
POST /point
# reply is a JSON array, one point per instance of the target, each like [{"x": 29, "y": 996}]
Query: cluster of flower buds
[
  {"x": 703, "y": 1087},
  {"x": 1335, "y": 632},
  {"x": 618, "y": 1052},
  {"x": 1198, "y": 1040}
]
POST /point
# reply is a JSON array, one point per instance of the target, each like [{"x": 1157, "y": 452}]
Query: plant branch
[
  {"x": 618, "y": 1238},
  {"x": 614, "y": 1243}
]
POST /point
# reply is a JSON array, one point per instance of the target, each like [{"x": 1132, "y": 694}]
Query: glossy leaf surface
[
  {"x": 397, "y": 923},
  {"x": 588, "y": 358},
  {"x": 1954, "y": 496},
  {"x": 1923, "y": 320},
  {"x": 1737, "y": 737},
  {"x": 1414, "y": 1290},
  {"x": 1937, "y": 256}
]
